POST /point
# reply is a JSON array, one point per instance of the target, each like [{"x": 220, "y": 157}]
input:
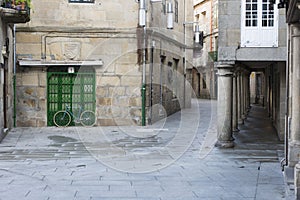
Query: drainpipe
[
  {"x": 14, "y": 76},
  {"x": 142, "y": 23},
  {"x": 151, "y": 80},
  {"x": 211, "y": 42},
  {"x": 211, "y": 24},
  {"x": 144, "y": 80},
  {"x": 184, "y": 61},
  {"x": 287, "y": 124}
]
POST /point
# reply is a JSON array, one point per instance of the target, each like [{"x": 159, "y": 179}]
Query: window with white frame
[
  {"x": 251, "y": 13},
  {"x": 267, "y": 14},
  {"x": 259, "y": 24}
]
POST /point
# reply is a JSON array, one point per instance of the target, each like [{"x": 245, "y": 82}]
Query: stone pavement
[{"x": 173, "y": 159}]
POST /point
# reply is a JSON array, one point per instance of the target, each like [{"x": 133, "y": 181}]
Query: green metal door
[{"x": 74, "y": 89}]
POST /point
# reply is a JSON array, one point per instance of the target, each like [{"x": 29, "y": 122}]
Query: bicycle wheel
[
  {"x": 88, "y": 118},
  {"x": 62, "y": 118}
]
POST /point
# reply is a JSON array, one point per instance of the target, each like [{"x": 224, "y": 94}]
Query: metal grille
[{"x": 74, "y": 89}]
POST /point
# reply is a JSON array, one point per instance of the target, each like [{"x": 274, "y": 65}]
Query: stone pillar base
[
  {"x": 297, "y": 181},
  {"x": 293, "y": 155},
  {"x": 235, "y": 130},
  {"x": 289, "y": 175},
  {"x": 241, "y": 122},
  {"x": 225, "y": 144}
]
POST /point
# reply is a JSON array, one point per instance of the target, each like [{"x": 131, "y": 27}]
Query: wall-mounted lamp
[
  {"x": 170, "y": 21},
  {"x": 198, "y": 35},
  {"x": 142, "y": 13}
]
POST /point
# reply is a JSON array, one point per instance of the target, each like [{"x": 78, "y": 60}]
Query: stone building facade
[
  {"x": 204, "y": 80},
  {"x": 8, "y": 17},
  {"x": 252, "y": 38},
  {"x": 97, "y": 55},
  {"x": 292, "y": 137}
]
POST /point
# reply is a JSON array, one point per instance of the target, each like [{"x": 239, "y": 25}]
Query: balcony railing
[{"x": 12, "y": 13}]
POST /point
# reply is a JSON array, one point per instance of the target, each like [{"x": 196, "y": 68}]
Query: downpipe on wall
[
  {"x": 144, "y": 80},
  {"x": 142, "y": 23},
  {"x": 14, "y": 77},
  {"x": 151, "y": 82},
  {"x": 284, "y": 161}
]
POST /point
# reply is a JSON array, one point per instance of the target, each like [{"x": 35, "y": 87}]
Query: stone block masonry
[
  {"x": 119, "y": 99},
  {"x": 31, "y": 98},
  {"x": 109, "y": 38}
]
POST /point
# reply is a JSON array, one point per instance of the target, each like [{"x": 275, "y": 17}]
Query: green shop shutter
[{"x": 74, "y": 89}]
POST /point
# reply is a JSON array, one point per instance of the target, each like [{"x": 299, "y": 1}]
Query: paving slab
[{"x": 172, "y": 160}]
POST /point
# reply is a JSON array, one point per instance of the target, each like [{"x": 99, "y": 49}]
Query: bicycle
[{"x": 63, "y": 118}]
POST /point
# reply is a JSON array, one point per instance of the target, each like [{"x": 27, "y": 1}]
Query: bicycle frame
[
  {"x": 75, "y": 118},
  {"x": 64, "y": 117}
]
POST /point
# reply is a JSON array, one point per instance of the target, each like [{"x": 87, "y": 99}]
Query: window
[
  {"x": 267, "y": 14},
  {"x": 197, "y": 16},
  {"x": 204, "y": 81},
  {"x": 164, "y": 6},
  {"x": 175, "y": 75},
  {"x": 81, "y": 1},
  {"x": 176, "y": 11},
  {"x": 259, "y": 24},
  {"x": 215, "y": 15},
  {"x": 216, "y": 44},
  {"x": 251, "y": 13}
]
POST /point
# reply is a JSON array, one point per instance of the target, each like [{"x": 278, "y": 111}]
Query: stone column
[
  {"x": 245, "y": 94},
  {"x": 294, "y": 142},
  {"x": 294, "y": 134},
  {"x": 240, "y": 98},
  {"x": 235, "y": 104},
  {"x": 248, "y": 91},
  {"x": 224, "y": 112},
  {"x": 243, "y": 102},
  {"x": 297, "y": 181}
]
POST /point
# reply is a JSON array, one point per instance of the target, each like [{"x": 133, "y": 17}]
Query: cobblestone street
[{"x": 169, "y": 160}]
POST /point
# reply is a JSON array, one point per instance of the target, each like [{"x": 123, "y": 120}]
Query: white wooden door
[{"x": 259, "y": 24}]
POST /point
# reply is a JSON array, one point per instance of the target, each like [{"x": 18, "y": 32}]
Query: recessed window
[
  {"x": 175, "y": 84},
  {"x": 81, "y": 1},
  {"x": 204, "y": 81},
  {"x": 176, "y": 11}
]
